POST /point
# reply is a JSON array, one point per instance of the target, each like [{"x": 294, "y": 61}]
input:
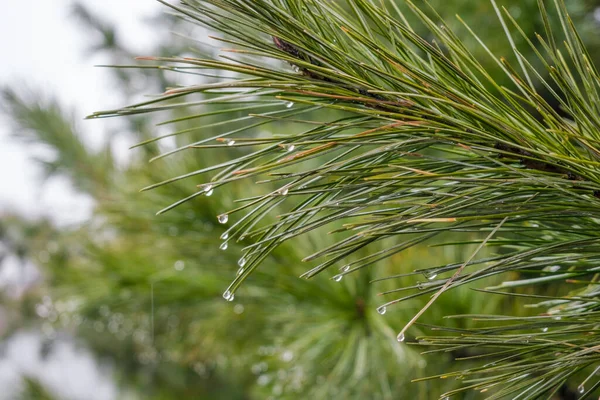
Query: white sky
[{"x": 40, "y": 47}]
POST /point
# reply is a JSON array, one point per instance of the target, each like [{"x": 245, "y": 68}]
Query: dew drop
[
  {"x": 557, "y": 318},
  {"x": 207, "y": 188},
  {"x": 240, "y": 271},
  {"x": 337, "y": 278},
  {"x": 552, "y": 268},
  {"x": 223, "y": 218},
  {"x": 283, "y": 191},
  {"x": 227, "y": 295},
  {"x": 210, "y": 192},
  {"x": 242, "y": 262},
  {"x": 230, "y": 142},
  {"x": 291, "y": 148},
  {"x": 287, "y": 356},
  {"x": 382, "y": 310},
  {"x": 345, "y": 268},
  {"x": 289, "y": 104},
  {"x": 430, "y": 275},
  {"x": 179, "y": 265},
  {"x": 446, "y": 398},
  {"x": 224, "y": 236},
  {"x": 400, "y": 337},
  {"x": 238, "y": 309},
  {"x": 545, "y": 329},
  {"x": 580, "y": 388},
  {"x": 231, "y": 297},
  {"x": 296, "y": 68}
]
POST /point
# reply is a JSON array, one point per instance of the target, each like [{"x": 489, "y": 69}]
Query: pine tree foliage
[
  {"x": 145, "y": 291},
  {"x": 401, "y": 139}
]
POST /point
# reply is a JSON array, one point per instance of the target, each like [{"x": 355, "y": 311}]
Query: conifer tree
[{"x": 404, "y": 136}]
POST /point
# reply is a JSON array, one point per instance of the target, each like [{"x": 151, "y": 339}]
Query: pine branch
[{"x": 405, "y": 140}]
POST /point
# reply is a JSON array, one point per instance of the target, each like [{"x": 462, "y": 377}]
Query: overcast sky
[{"x": 41, "y": 47}]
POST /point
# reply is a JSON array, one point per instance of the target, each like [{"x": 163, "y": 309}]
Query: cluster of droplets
[
  {"x": 227, "y": 295},
  {"x": 339, "y": 277},
  {"x": 208, "y": 190},
  {"x": 241, "y": 263}
]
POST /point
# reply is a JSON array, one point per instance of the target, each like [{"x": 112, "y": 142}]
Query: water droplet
[
  {"x": 545, "y": 329},
  {"x": 580, "y": 388},
  {"x": 446, "y": 398},
  {"x": 225, "y": 236},
  {"x": 242, "y": 262},
  {"x": 263, "y": 380},
  {"x": 210, "y": 192},
  {"x": 240, "y": 271},
  {"x": 179, "y": 265},
  {"x": 208, "y": 187},
  {"x": 552, "y": 268},
  {"x": 345, "y": 268},
  {"x": 287, "y": 356},
  {"x": 223, "y": 218},
  {"x": 400, "y": 337},
  {"x": 420, "y": 285},
  {"x": 337, "y": 278},
  {"x": 296, "y": 68},
  {"x": 430, "y": 275},
  {"x": 290, "y": 148},
  {"x": 283, "y": 191},
  {"x": 231, "y": 297},
  {"x": 230, "y": 142},
  {"x": 223, "y": 246},
  {"x": 289, "y": 104},
  {"x": 557, "y": 318},
  {"x": 227, "y": 295},
  {"x": 382, "y": 310}
]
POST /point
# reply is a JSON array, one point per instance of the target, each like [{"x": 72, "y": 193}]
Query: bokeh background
[{"x": 101, "y": 299}]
